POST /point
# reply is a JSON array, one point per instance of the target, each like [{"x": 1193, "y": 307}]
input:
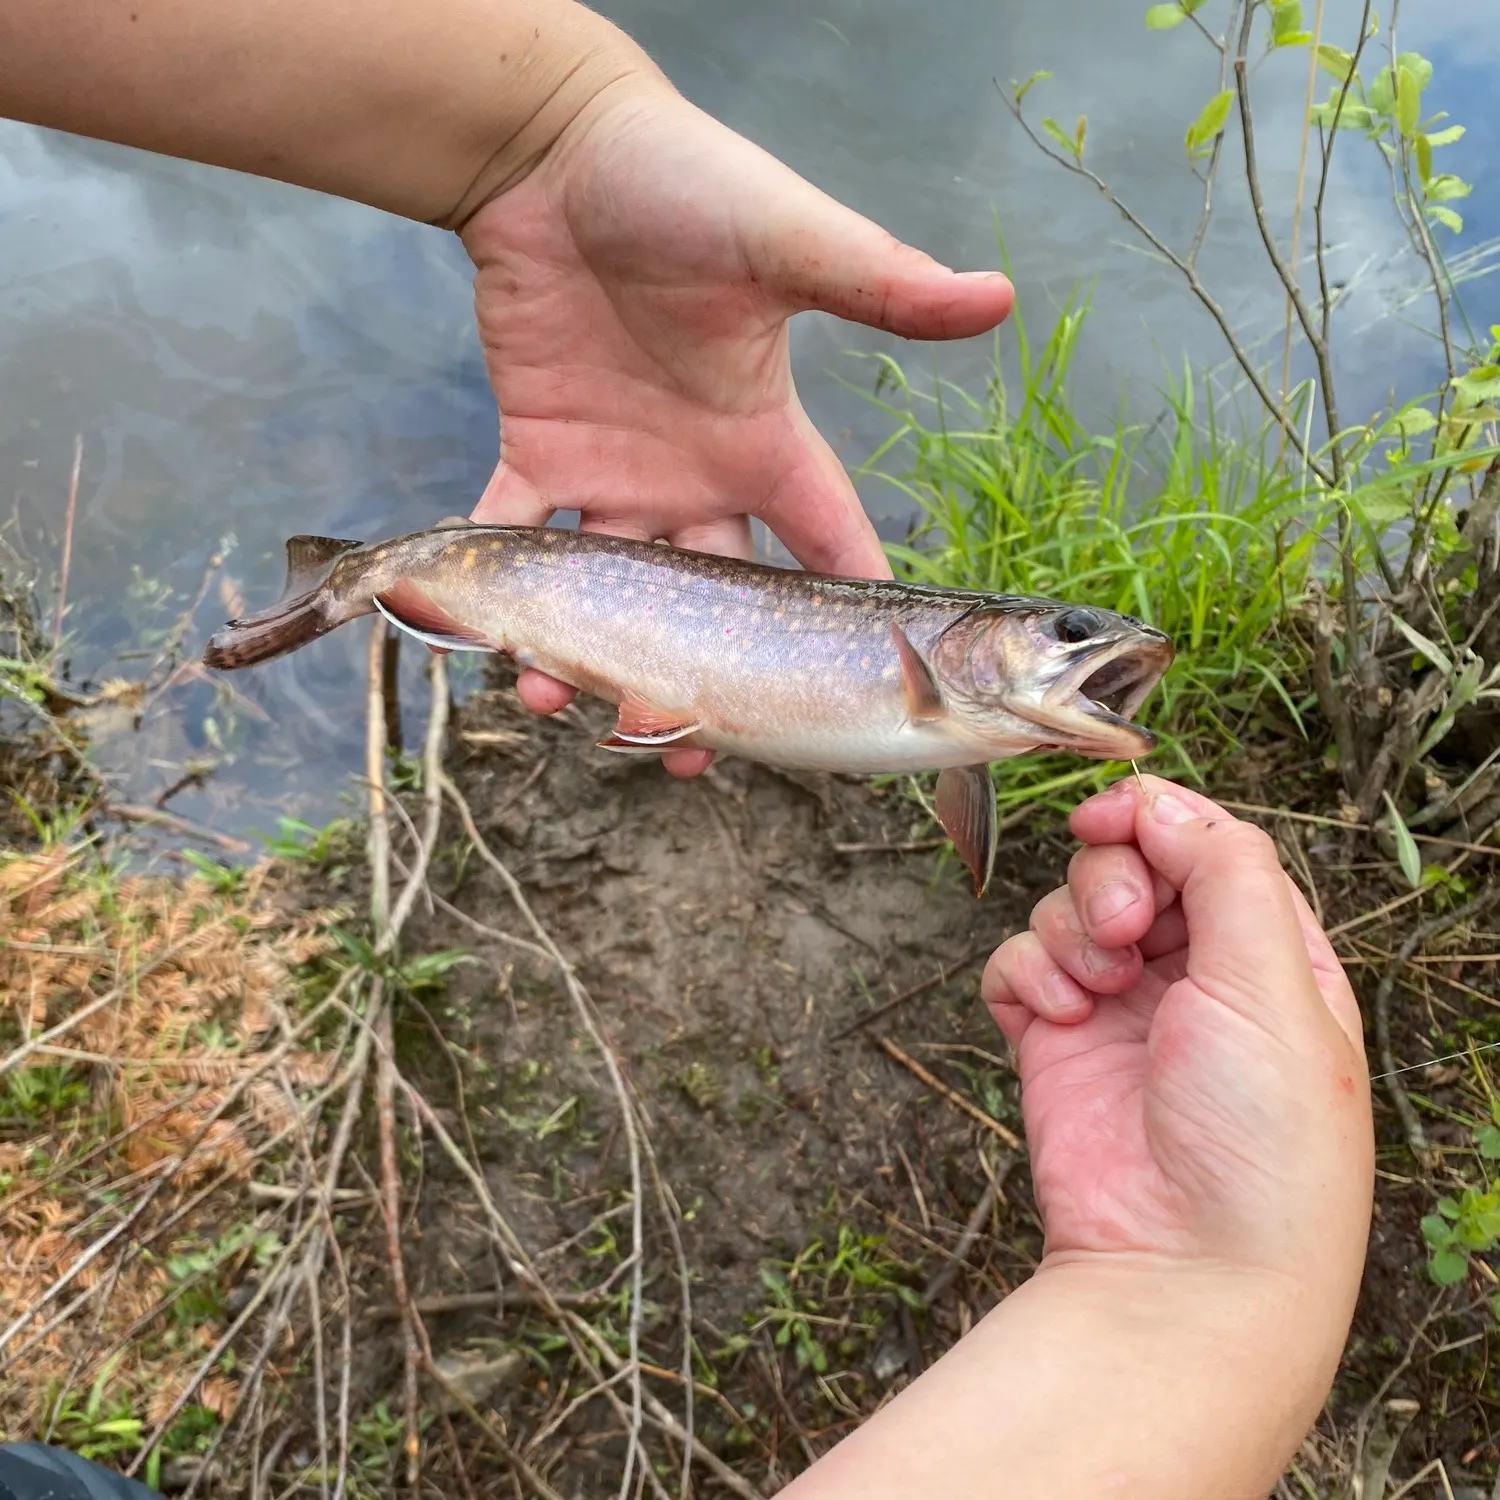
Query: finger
[
  {"x": 818, "y": 254},
  {"x": 1058, "y": 927},
  {"x": 729, "y": 537},
  {"x": 1113, "y": 891},
  {"x": 1332, "y": 978},
  {"x": 543, "y": 694},
  {"x": 1168, "y": 934},
  {"x": 1021, "y": 981},
  {"x": 1245, "y": 944},
  {"x": 1108, "y": 817},
  {"x": 813, "y": 509},
  {"x": 687, "y": 763},
  {"x": 509, "y": 500}
]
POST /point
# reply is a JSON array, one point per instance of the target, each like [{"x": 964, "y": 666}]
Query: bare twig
[
  {"x": 951, "y": 1096},
  {"x": 156, "y": 817},
  {"x": 947, "y": 971},
  {"x": 1416, "y": 1136}
]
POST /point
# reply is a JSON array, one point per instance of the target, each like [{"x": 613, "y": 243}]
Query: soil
[{"x": 727, "y": 943}]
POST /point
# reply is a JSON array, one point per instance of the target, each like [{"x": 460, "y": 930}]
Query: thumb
[
  {"x": 824, "y": 257},
  {"x": 1245, "y": 942}
]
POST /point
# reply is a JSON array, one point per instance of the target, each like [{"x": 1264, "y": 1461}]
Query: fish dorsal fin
[
  {"x": 453, "y": 523},
  {"x": 965, "y": 806},
  {"x": 310, "y": 559},
  {"x": 404, "y": 604},
  {"x": 924, "y": 699},
  {"x": 642, "y": 724}
]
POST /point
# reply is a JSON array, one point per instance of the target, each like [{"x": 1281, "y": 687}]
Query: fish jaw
[{"x": 1021, "y": 678}]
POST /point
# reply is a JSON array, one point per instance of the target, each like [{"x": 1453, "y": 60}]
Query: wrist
[{"x": 573, "y": 57}]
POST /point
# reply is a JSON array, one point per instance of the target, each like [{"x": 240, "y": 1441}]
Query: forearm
[
  {"x": 426, "y": 108},
  {"x": 1166, "y": 1386}
]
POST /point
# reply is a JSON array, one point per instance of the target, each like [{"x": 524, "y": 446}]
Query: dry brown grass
[{"x": 136, "y": 1012}]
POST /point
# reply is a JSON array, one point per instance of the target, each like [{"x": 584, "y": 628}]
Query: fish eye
[{"x": 1075, "y": 625}]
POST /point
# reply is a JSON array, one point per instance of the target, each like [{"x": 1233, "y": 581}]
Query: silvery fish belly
[{"x": 794, "y": 669}]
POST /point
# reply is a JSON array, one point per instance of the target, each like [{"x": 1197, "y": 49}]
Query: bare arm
[{"x": 426, "y": 110}]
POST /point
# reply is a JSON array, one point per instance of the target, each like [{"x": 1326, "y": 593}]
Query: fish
[{"x": 800, "y": 670}]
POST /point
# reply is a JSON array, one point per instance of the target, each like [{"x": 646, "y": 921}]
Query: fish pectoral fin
[
  {"x": 965, "y": 807},
  {"x": 641, "y": 724},
  {"x": 408, "y": 608},
  {"x": 924, "y": 699},
  {"x": 309, "y": 560}
]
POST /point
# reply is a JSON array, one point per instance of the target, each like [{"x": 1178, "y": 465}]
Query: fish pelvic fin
[
  {"x": 919, "y": 688},
  {"x": 641, "y": 724},
  {"x": 407, "y": 607},
  {"x": 309, "y": 561},
  {"x": 965, "y": 806}
]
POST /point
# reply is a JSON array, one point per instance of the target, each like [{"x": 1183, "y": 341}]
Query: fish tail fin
[{"x": 304, "y": 612}]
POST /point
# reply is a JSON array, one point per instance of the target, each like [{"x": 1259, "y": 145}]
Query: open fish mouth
[{"x": 1095, "y": 702}]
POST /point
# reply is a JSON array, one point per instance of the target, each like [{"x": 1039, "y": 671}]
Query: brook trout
[{"x": 799, "y": 670}]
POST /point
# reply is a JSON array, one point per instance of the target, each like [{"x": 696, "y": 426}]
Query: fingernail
[
  {"x": 1168, "y": 808},
  {"x": 1109, "y": 901},
  {"x": 1099, "y": 960},
  {"x": 1061, "y": 992},
  {"x": 981, "y": 275}
]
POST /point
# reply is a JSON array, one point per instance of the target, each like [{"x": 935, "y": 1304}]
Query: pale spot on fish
[
  {"x": 864, "y": 662},
  {"x": 888, "y": 674},
  {"x": 471, "y": 557}
]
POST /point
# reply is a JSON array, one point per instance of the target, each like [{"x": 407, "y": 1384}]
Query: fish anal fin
[
  {"x": 965, "y": 806},
  {"x": 642, "y": 724},
  {"x": 626, "y": 747},
  {"x": 406, "y": 606},
  {"x": 924, "y": 699},
  {"x": 309, "y": 561}
]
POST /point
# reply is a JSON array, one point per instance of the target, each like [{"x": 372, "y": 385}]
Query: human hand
[
  {"x": 1193, "y": 1075},
  {"x": 633, "y": 293}
]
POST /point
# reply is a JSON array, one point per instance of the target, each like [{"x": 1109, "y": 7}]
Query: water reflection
[{"x": 245, "y": 360}]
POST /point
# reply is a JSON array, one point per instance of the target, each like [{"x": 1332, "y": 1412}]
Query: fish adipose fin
[
  {"x": 406, "y": 606},
  {"x": 924, "y": 699},
  {"x": 966, "y": 809},
  {"x": 641, "y": 727},
  {"x": 295, "y": 619}
]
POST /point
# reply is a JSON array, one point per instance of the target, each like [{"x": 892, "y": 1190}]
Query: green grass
[{"x": 1204, "y": 536}]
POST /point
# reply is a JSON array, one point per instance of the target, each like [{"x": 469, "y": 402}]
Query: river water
[{"x": 244, "y": 360}]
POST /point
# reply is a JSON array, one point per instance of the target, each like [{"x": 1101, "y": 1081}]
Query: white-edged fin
[
  {"x": 640, "y": 723},
  {"x": 453, "y": 523},
  {"x": 431, "y": 638},
  {"x": 965, "y": 807}
]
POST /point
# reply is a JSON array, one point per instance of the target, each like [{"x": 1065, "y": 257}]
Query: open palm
[{"x": 633, "y": 293}]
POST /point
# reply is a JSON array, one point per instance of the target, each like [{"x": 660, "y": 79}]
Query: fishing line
[{"x": 1432, "y": 1062}]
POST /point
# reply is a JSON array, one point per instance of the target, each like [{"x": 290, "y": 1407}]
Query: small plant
[{"x": 32, "y": 1094}]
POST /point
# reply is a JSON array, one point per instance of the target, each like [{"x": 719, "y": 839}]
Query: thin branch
[
  {"x": 1189, "y": 274},
  {"x": 67, "y": 552}
]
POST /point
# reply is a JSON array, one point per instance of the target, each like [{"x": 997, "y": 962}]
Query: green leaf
[
  {"x": 1205, "y": 129},
  {"x": 1078, "y": 134},
  {"x": 1414, "y": 421},
  {"x": 1418, "y": 66},
  {"x": 1446, "y": 217},
  {"x": 1424, "y": 161},
  {"x": 1408, "y": 103},
  {"x": 1060, "y": 135},
  {"x": 1488, "y": 1138},
  {"x": 1447, "y": 1267},
  {"x": 1336, "y": 61},
  {"x": 1020, "y": 90},
  {"x": 1433, "y": 652},
  {"x": 1482, "y": 383},
  {"x": 1286, "y": 21},
  {"x": 1445, "y": 187},
  {"x": 1446, "y": 137},
  {"x": 1351, "y": 115},
  {"x": 1165, "y": 17},
  {"x": 1406, "y": 846},
  {"x": 1382, "y": 95},
  {"x": 1447, "y": 1207},
  {"x": 1436, "y": 1231},
  {"x": 1381, "y": 505}
]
